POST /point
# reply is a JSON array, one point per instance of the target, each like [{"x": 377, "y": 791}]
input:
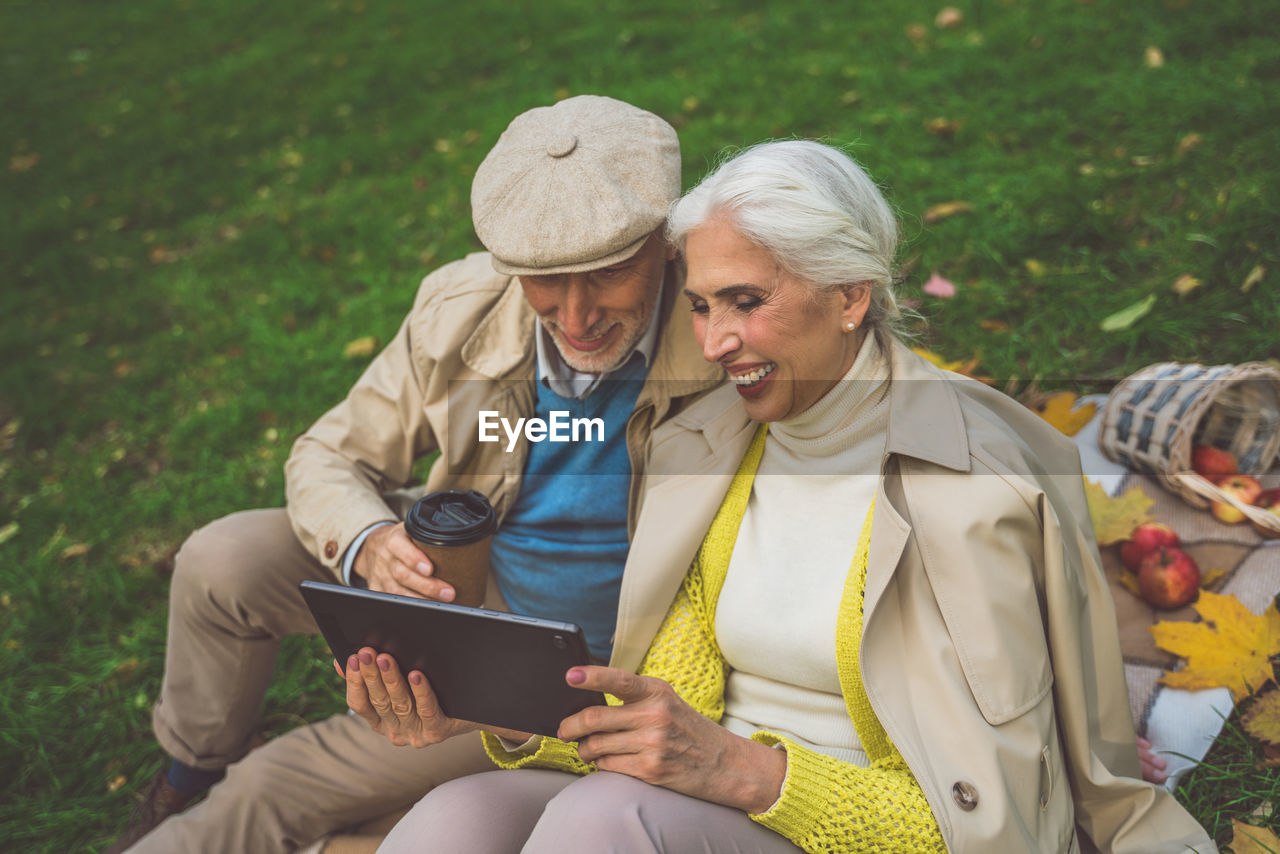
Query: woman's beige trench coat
[{"x": 989, "y": 650}]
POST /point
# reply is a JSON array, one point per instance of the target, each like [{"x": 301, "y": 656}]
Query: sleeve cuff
[
  {"x": 538, "y": 752},
  {"x": 349, "y": 557}
]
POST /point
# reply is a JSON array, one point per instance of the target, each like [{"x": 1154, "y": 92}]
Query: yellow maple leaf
[
  {"x": 1210, "y": 577},
  {"x": 1262, "y": 721},
  {"x": 1230, "y": 648},
  {"x": 964, "y": 368},
  {"x": 361, "y": 347},
  {"x": 1129, "y": 581},
  {"x": 1247, "y": 839},
  {"x": 1061, "y": 411},
  {"x": 1115, "y": 518}
]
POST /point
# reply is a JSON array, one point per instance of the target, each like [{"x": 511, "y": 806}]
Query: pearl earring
[{"x": 850, "y": 326}]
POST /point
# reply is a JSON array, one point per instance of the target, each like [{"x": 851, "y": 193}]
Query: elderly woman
[{"x": 892, "y": 635}]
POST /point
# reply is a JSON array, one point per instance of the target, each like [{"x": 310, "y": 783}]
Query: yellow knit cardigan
[{"x": 826, "y": 805}]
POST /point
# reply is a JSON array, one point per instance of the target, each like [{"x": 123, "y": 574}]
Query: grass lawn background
[{"x": 201, "y": 204}]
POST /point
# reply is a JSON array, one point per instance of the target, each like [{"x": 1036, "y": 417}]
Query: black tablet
[{"x": 489, "y": 667}]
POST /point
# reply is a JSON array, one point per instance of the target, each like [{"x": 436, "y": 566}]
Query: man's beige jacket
[
  {"x": 467, "y": 346},
  {"x": 989, "y": 651}
]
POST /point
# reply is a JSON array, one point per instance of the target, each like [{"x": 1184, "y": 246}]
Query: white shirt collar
[{"x": 565, "y": 381}]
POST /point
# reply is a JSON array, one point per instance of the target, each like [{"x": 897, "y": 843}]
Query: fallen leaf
[
  {"x": 965, "y": 368},
  {"x": 1129, "y": 581},
  {"x": 1230, "y": 648},
  {"x": 949, "y": 18},
  {"x": 1185, "y": 284},
  {"x": 1270, "y": 756},
  {"x": 1115, "y": 518},
  {"x": 1189, "y": 142},
  {"x": 1255, "y": 276},
  {"x": 8, "y": 532},
  {"x": 361, "y": 347},
  {"x": 939, "y": 287},
  {"x": 1211, "y": 577},
  {"x": 1153, "y": 57},
  {"x": 1247, "y": 839},
  {"x": 116, "y": 782},
  {"x": 942, "y": 127},
  {"x": 1262, "y": 721},
  {"x": 946, "y": 209},
  {"x": 1142, "y": 161},
  {"x": 917, "y": 33},
  {"x": 1034, "y": 267},
  {"x": 1061, "y": 410},
  {"x": 78, "y": 550},
  {"x": 1126, "y": 317},
  {"x": 23, "y": 162}
]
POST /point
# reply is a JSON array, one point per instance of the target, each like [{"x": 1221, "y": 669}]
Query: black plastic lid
[{"x": 450, "y": 518}]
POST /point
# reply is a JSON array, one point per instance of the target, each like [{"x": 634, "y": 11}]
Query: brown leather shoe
[{"x": 160, "y": 801}]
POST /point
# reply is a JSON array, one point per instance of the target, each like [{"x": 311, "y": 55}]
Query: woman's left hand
[{"x": 657, "y": 737}]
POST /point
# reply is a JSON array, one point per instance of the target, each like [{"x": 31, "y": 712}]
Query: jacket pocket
[{"x": 982, "y": 569}]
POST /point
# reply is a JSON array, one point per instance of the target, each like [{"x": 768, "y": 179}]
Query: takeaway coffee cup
[{"x": 454, "y": 529}]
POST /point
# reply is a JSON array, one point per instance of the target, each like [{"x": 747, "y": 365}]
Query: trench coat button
[
  {"x": 562, "y": 145},
  {"x": 330, "y": 550},
  {"x": 965, "y": 795}
]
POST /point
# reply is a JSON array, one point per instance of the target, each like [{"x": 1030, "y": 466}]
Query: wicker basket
[{"x": 1152, "y": 419}]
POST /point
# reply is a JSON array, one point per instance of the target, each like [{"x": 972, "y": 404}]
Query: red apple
[
  {"x": 1242, "y": 488},
  {"x": 1209, "y": 461},
  {"x": 1168, "y": 578},
  {"x": 1145, "y": 539},
  {"x": 1269, "y": 500}
]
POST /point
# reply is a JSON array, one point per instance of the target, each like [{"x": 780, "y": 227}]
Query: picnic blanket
[{"x": 1181, "y": 725}]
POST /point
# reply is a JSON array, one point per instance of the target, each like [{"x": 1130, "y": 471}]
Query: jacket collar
[
  {"x": 925, "y": 419},
  {"x": 503, "y": 341}
]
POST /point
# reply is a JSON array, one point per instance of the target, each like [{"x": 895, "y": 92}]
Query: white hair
[{"x": 811, "y": 207}]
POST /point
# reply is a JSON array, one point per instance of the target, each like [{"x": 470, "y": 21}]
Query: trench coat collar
[
  {"x": 925, "y": 419},
  {"x": 503, "y": 339}
]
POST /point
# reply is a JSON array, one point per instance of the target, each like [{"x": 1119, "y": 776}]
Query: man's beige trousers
[{"x": 234, "y": 596}]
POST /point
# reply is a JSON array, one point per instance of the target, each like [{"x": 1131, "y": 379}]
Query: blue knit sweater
[{"x": 560, "y": 551}]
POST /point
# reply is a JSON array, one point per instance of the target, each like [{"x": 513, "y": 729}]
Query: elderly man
[{"x": 572, "y": 309}]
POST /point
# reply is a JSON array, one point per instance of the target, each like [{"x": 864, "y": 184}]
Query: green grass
[
  {"x": 201, "y": 203},
  {"x": 1233, "y": 781}
]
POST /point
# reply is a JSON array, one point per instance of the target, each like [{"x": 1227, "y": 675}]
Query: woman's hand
[
  {"x": 1152, "y": 766},
  {"x": 406, "y": 713},
  {"x": 657, "y": 737}
]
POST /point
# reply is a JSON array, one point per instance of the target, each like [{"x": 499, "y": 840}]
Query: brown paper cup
[
  {"x": 466, "y": 568},
  {"x": 454, "y": 529}
]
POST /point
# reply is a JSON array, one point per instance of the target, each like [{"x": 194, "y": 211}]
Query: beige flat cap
[{"x": 575, "y": 186}]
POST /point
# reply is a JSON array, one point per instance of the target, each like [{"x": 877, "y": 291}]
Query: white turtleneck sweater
[{"x": 776, "y": 617}]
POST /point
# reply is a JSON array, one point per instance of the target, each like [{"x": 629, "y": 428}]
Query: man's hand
[
  {"x": 657, "y": 737},
  {"x": 389, "y": 562}
]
